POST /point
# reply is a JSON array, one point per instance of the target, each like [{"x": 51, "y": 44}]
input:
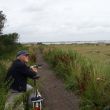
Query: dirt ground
[{"x": 56, "y": 97}]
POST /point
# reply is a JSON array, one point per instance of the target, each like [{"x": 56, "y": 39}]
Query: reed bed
[{"x": 83, "y": 75}]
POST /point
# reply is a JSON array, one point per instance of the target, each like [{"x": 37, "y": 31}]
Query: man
[{"x": 18, "y": 73}]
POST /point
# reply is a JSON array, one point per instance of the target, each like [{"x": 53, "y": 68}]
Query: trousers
[{"x": 15, "y": 97}]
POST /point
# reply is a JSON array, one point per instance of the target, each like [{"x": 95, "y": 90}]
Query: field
[
  {"x": 85, "y": 69},
  {"x": 95, "y": 52}
]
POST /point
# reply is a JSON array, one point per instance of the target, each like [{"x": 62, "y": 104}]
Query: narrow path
[{"x": 53, "y": 90}]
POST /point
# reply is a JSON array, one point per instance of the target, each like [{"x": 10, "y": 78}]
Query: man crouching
[{"x": 17, "y": 77}]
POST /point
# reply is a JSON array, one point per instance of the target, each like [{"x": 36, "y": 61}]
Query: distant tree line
[{"x": 9, "y": 39}]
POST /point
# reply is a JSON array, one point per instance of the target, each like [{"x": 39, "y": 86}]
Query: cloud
[{"x": 50, "y": 20}]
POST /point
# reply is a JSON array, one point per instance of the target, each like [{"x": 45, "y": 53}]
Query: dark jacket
[{"x": 17, "y": 76}]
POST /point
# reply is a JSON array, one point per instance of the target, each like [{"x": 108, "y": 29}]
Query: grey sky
[{"x": 57, "y": 20}]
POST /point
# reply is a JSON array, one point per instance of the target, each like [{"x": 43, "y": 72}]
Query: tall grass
[
  {"x": 6, "y": 59},
  {"x": 82, "y": 75}
]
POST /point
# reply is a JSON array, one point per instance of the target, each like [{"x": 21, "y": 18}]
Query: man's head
[{"x": 23, "y": 56}]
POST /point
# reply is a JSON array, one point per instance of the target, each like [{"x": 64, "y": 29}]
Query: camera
[{"x": 36, "y": 66}]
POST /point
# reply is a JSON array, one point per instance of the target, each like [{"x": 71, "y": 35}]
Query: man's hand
[{"x": 34, "y": 69}]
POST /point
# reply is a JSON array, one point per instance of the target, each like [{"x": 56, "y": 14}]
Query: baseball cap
[{"x": 22, "y": 52}]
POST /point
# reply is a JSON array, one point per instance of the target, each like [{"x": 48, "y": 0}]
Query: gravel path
[{"x": 53, "y": 90}]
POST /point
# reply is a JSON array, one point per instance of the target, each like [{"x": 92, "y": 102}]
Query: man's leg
[
  {"x": 11, "y": 101},
  {"x": 29, "y": 87},
  {"x": 30, "y": 94}
]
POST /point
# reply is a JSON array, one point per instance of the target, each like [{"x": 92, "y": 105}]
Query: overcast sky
[{"x": 57, "y": 20}]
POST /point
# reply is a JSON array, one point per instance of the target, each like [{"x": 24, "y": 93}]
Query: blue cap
[{"x": 22, "y": 52}]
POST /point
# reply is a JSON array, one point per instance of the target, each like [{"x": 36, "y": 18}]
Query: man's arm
[{"x": 28, "y": 72}]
